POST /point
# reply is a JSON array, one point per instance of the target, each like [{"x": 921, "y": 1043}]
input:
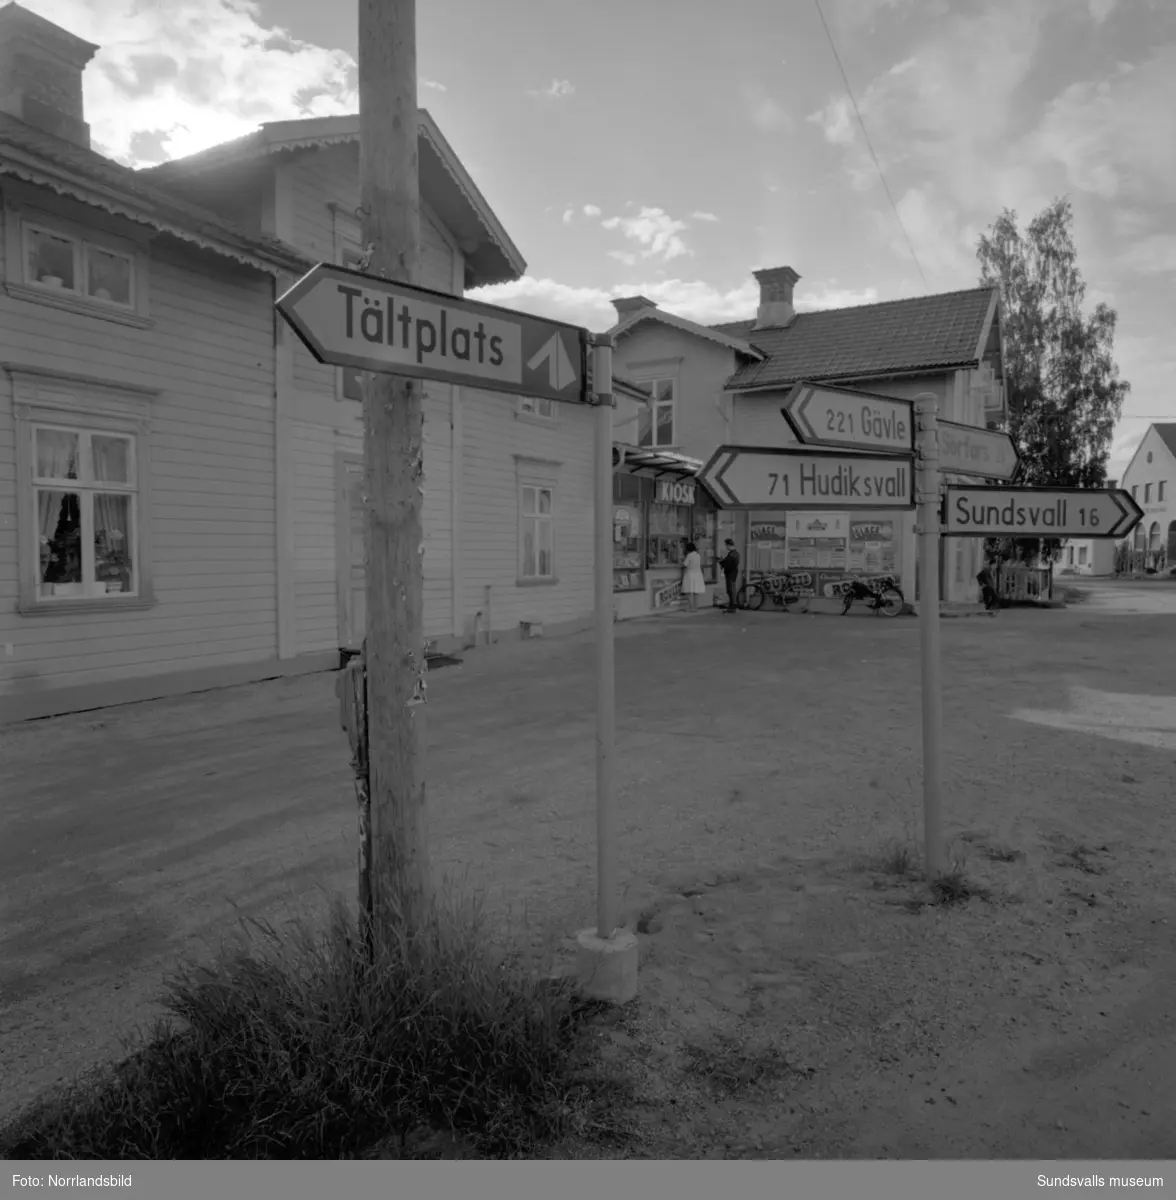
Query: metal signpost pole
[
  {"x": 606, "y": 850},
  {"x": 606, "y": 964},
  {"x": 927, "y": 446}
]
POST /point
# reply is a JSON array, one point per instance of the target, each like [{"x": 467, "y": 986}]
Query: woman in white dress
[{"x": 693, "y": 584}]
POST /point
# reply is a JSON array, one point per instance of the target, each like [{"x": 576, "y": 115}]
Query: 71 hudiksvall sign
[
  {"x": 755, "y": 477},
  {"x": 349, "y": 319}
]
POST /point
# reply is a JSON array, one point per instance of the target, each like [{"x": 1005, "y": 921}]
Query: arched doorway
[
  {"x": 1153, "y": 546},
  {"x": 1139, "y": 548},
  {"x": 1172, "y": 543}
]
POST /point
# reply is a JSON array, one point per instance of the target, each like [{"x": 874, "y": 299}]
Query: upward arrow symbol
[{"x": 560, "y": 372}]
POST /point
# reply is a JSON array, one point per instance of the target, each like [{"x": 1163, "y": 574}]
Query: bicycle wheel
[
  {"x": 891, "y": 602},
  {"x": 741, "y": 596},
  {"x": 755, "y": 598},
  {"x": 789, "y": 599}
]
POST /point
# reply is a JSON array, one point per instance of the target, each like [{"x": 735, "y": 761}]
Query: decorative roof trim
[
  {"x": 268, "y": 140},
  {"x": 108, "y": 200},
  {"x": 659, "y": 462},
  {"x": 986, "y": 328},
  {"x": 622, "y": 328}
]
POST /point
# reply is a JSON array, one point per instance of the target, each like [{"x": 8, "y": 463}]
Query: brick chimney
[
  {"x": 775, "y": 306},
  {"x": 41, "y": 68},
  {"x": 627, "y": 305}
]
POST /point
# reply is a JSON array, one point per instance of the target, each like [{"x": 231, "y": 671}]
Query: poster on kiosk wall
[{"x": 818, "y": 544}]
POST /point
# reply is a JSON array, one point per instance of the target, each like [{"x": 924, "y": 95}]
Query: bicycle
[
  {"x": 782, "y": 589},
  {"x": 884, "y": 595}
]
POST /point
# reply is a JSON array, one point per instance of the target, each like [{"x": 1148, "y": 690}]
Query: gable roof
[
  {"x": 1165, "y": 431},
  {"x": 711, "y": 333},
  {"x": 444, "y": 182},
  {"x": 41, "y": 159},
  {"x": 895, "y": 337}
]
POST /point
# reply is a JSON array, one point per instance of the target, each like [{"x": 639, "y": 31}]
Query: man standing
[
  {"x": 730, "y": 565},
  {"x": 987, "y": 586}
]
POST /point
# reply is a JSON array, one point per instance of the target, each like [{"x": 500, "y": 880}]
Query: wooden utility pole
[{"x": 394, "y": 476}]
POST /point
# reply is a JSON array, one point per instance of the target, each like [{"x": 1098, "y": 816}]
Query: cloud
[
  {"x": 169, "y": 80},
  {"x": 558, "y": 89},
  {"x": 591, "y": 210},
  {"x": 765, "y": 113},
  {"x": 703, "y": 216},
  {"x": 433, "y": 85},
  {"x": 624, "y": 256},
  {"x": 1155, "y": 255},
  {"x": 1117, "y": 137},
  {"x": 655, "y": 230},
  {"x": 569, "y": 213},
  {"x": 1100, "y": 9}
]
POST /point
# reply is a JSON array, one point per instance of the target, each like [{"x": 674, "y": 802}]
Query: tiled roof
[
  {"x": 70, "y": 170},
  {"x": 871, "y": 340},
  {"x": 1167, "y": 434}
]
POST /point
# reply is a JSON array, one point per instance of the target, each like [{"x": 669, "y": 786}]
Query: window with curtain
[
  {"x": 85, "y": 504},
  {"x": 536, "y": 533}
]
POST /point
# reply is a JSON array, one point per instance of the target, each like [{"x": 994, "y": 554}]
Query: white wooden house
[{"x": 180, "y": 482}]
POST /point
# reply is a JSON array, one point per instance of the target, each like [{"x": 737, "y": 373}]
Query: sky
[{"x": 671, "y": 147}]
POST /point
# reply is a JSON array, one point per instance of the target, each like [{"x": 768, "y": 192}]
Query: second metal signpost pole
[
  {"x": 927, "y": 451},
  {"x": 606, "y": 851}
]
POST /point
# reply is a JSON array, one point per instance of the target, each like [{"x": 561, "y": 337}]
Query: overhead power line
[{"x": 870, "y": 145}]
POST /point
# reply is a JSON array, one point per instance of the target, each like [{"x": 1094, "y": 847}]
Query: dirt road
[{"x": 795, "y": 1000}]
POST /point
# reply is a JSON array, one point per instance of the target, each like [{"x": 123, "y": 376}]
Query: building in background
[
  {"x": 1150, "y": 478},
  {"x": 725, "y": 384}
]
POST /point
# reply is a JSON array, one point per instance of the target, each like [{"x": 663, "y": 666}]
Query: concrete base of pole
[{"x": 606, "y": 968}]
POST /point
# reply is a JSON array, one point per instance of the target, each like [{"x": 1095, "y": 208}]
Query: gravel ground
[{"x": 798, "y": 998}]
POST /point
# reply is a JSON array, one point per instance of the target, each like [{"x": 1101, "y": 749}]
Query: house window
[
  {"x": 537, "y": 408},
  {"x": 85, "y": 513},
  {"x": 1070, "y": 556},
  {"x": 1160, "y": 490},
  {"x": 655, "y": 423},
  {"x": 536, "y": 533},
  {"x": 1082, "y": 556},
  {"x": 58, "y": 262},
  {"x": 1135, "y": 491},
  {"x": 1147, "y": 493}
]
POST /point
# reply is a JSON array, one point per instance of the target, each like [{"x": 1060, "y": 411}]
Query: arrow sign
[
  {"x": 560, "y": 372},
  {"x": 1039, "y": 512},
  {"x": 852, "y": 420},
  {"x": 968, "y": 450},
  {"x": 753, "y": 477},
  {"x": 349, "y": 319}
]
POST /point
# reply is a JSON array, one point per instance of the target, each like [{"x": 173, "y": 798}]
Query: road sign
[
  {"x": 969, "y": 450},
  {"x": 349, "y": 319},
  {"x": 851, "y": 420},
  {"x": 755, "y": 477},
  {"x": 1039, "y": 512}
]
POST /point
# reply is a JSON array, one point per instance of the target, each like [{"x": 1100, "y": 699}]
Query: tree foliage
[{"x": 1062, "y": 384}]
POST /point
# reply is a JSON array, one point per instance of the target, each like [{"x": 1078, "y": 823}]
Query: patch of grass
[
  {"x": 292, "y": 1045},
  {"x": 898, "y": 858},
  {"x": 954, "y": 887}
]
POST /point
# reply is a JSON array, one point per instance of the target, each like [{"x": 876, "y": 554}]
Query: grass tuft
[{"x": 293, "y": 1046}]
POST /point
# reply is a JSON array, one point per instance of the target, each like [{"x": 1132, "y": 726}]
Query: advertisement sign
[
  {"x": 818, "y": 541},
  {"x": 664, "y": 597},
  {"x": 872, "y": 547},
  {"x": 670, "y": 491}
]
